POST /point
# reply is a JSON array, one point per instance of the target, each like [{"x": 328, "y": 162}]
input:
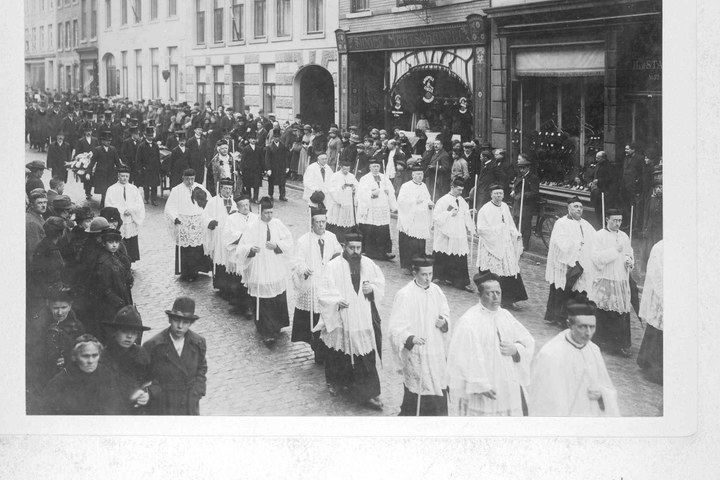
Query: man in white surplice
[
  {"x": 341, "y": 201},
  {"x": 414, "y": 218},
  {"x": 235, "y": 226},
  {"x": 376, "y": 199},
  {"x": 127, "y": 199},
  {"x": 419, "y": 335},
  {"x": 569, "y": 377},
  {"x": 183, "y": 213},
  {"x": 317, "y": 177},
  {"x": 263, "y": 256},
  {"x": 313, "y": 251},
  {"x": 350, "y": 324},
  {"x": 489, "y": 357},
  {"x": 215, "y": 215},
  {"x": 499, "y": 247}
]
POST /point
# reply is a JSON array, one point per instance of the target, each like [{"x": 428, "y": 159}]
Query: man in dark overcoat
[
  {"x": 128, "y": 151},
  {"x": 251, "y": 165},
  {"x": 197, "y": 147},
  {"x": 277, "y": 165},
  {"x": 102, "y": 170},
  {"x": 147, "y": 161},
  {"x": 87, "y": 143},
  {"x": 179, "y": 367},
  {"x": 529, "y": 193}
]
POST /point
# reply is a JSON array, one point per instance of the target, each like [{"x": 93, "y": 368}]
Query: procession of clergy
[{"x": 483, "y": 363}]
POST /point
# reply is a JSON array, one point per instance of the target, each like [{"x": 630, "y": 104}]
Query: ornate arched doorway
[{"x": 315, "y": 96}]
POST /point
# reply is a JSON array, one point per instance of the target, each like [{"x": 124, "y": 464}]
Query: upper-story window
[
  {"x": 218, "y": 14},
  {"x": 237, "y": 13},
  {"x": 137, "y": 11},
  {"x": 153, "y": 9},
  {"x": 284, "y": 18},
  {"x": 83, "y": 19},
  {"x": 108, "y": 13},
  {"x": 93, "y": 18},
  {"x": 200, "y": 22},
  {"x": 259, "y": 13},
  {"x": 360, "y": 5},
  {"x": 315, "y": 16},
  {"x": 172, "y": 8},
  {"x": 123, "y": 12}
]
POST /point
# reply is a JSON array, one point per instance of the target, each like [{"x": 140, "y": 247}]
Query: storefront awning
[{"x": 561, "y": 61}]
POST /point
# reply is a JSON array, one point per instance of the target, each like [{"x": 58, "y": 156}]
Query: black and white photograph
[{"x": 321, "y": 211}]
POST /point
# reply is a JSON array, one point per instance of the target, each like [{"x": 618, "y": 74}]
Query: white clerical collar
[
  {"x": 572, "y": 342},
  {"x": 420, "y": 286},
  {"x": 485, "y": 309}
]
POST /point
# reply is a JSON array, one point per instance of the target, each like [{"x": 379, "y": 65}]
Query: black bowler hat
[
  {"x": 127, "y": 318},
  {"x": 183, "y": 307}
]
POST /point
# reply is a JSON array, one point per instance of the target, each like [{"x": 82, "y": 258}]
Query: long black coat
[
  {"x": 179, "y": 162},
  {"x": 532, "y": 194},
  {"x": 112, "y": 281},
  {"x": 57, "y": 156},
  {"x": 489, "y": 173},
  {"x": 251, "y": 166},
  {"x": 147, "y": 162},
  {"x": 71, "y": 127},
  {"x": 277, "y": 160},
  {"x": 46, "y": 268},
  {"x": 132, "y": 367},
  {"x": 197, "y": 151},
  {"x": 105, "y": 163},
  {"x": 128, "y": 152},
  {"x": 74, "y": 392},
  {"x": 83, "y": 146},
  {"x": 178, "y": 382}
]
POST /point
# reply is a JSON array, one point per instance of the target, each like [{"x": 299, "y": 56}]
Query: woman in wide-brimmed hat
[
  {"x": 125, "y": 356},
  {"x": 177, "y": 355}
]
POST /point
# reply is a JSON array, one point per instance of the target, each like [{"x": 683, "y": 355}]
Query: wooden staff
[
  {"x": 602, "y": 197},
  {"x": 522, "y": 202},
  {"x": 179, "y": 251},
  {"x": 257, "y": 293},
  {"x": 437, "y": 165},
  {"x": 357, "y": 162},
  {"x": 417, "y": 410},
  {"x": 353, "y": 205},
  {"x": 472, "y": 238},
  {"x": 632, "y": 207},
  {"x": 312, "y": 290}
]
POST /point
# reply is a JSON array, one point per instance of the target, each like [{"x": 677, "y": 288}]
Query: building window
[
  {"x": 259, "y": 18},
  {"x": 284, "y": 18},
  {"x": 124, "y": 84},
  {"x": 68, "y": 32},
  {"x": 218, "y": 21},
  {"x": 76, "y": 33},
  {"x": 27, "y": 39},
  {"x": 219, "y": 78},
  {"x": 155, "y": 72},
  {"x": 108, "y": 14},
  {"x": 50, "y": 36},
  {"x": 172, "y": 8},
  {"x": 137, "y": 11},
  {"x": 238, "y": 87},
  {"x": 174, "y": 69},
  {"x": 315, "y": 16},
  {"x": 200, "y": 82},
  {"x": 60, "y": 37},
  {"x": 41, "y": 42},
  {"x": 83, "y": 19},
  {"x": 123, "y": 12},
  {"x": 268, "y": 97},
  {"x": 93, "y": 18},
  {"x": 200, "y": 21},
  {"x": 237, "y": 13},
  {"x": 153, "y": 9},
  {"x": 360, "y": 5},
  {"x": 138, "y": 74},
  {"x": 32, "y": 47}
]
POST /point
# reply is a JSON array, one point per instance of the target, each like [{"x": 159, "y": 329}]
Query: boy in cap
[
  {"x": 179, "y": 368},
  {"x": 34, "y": 178}
]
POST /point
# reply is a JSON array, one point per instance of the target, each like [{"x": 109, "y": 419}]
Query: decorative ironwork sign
[{"x": 470, "y": 33}]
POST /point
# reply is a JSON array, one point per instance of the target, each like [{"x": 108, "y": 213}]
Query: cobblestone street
[{"x": 247, "y": 378}]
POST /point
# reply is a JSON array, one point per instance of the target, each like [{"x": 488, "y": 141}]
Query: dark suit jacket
[
  {"x": 57, "y": 155},
  {"x": 532, "y": 194},
  {"x": 277, "y": 159},
  {"x": 83, "y": 146},
  {"x": 197, "y": 156}
]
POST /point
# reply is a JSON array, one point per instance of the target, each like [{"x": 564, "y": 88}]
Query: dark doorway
[{"x": 317, "y": 97}]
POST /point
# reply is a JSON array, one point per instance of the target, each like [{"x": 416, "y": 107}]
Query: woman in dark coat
[
  {"x": 124, "y": 356},
  {"x": 47, "y": 267},
  {"x": 84, "y": 387},
  {"x": 112, "y": 278},
  {"x": 105, "y": 160},
  {"x": 178, "y": 379}
]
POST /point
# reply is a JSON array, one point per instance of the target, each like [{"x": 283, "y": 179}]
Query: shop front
[
  {"x": 89, "y": 69},
  {"x": 574, "y": 80},
  {"x": 434, "y": 78}
]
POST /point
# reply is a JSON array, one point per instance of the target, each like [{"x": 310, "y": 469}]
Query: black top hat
[
  {"x": 127, "y": 318},
  {"x": 106, "y": 135},
  {"x": 180, "y": 135},
  {"x": 149, "y": 130},
  {"x": 227, "y": 182},
  {"x": 183, "y": 307}
]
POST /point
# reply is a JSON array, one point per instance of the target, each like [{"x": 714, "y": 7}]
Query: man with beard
[
  {"x": 184, "y": 216},
  {"x": 216, "y": 213},
  {"x": 263, "y": 256},
  {"x": 376, "y": 200},
  {"x": 498, "y": 247},
  {"x": 128, "y": 150},
  {"x": 58, "y": 156},
  {"x": 452, "y": 218},
  {"x": 414, "y": 218},
  {"x": 147, "y": 161},
  {"x": 127, "y": 199},
  {"x": 489, "y": 356},
  {"x": 569, "y": 264},
  {"x": 313, "y": 251},
  {"x": 350, "y": 324},
  {"x": 252, "y": 168}
]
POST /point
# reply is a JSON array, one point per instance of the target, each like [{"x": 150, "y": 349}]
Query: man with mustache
[{"x": 350, "y": 324}]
